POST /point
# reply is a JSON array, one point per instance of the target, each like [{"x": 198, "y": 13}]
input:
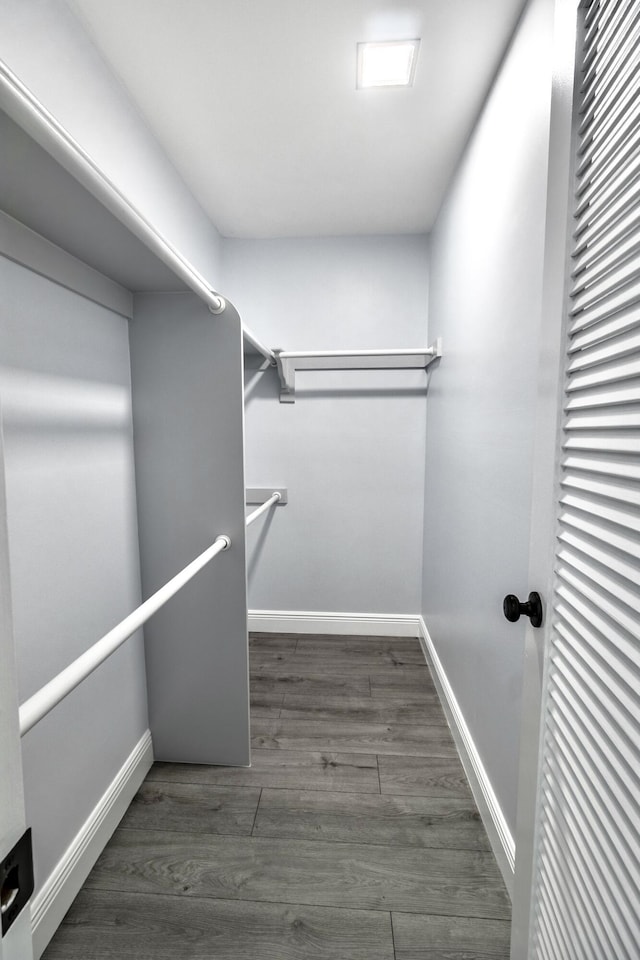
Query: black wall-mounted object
[
  {"x": 16, "y": 880},
  {"x": 513, "y": 608}
]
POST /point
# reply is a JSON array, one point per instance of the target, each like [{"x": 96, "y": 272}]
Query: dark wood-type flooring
[{"x": 353, "y": 836}]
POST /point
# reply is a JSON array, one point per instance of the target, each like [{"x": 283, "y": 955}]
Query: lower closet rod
[
  {"x": 265, "y": 506},
  {"x": 50, "y": 695}
]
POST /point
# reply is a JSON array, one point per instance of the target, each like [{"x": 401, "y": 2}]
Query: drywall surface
[
  {"x": 66, "y": 404},
  {"x": 47, "y": 47},
  {"x": 350, "y": 450},
  {"x": 486, "y": 283},
  {"x": 187, "y": 403}
]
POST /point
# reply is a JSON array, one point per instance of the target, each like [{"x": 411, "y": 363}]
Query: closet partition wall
[{"x": 188, "y": 430}]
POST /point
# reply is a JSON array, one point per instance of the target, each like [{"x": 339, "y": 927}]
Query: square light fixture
[{"x": 390, "y": 63}]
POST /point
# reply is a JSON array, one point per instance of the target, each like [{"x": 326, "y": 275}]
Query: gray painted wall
[
  {"x": 47, "y": 47},
  {"x": 188, "y": 417},
  {"x": 486, "y": 280},
  {"x": 65, "y": 390},
  {"x": 351, "y": 448}
]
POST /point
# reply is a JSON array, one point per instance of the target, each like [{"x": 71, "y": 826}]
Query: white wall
[
  {"x": 47, "y": 47},
  {"x": 66, "y": 403},
  {"x": 486, "y": 278},
  {"x": 351, "y": 448}
]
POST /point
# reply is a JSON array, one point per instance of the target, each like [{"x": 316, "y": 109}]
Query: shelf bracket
[{"x": 260, "y": 494}]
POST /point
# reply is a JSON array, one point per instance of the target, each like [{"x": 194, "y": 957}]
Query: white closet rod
[
  {"x": 259, "y": 347},
  {"x": 49, "y": 696},
  {"x": 27, "y": 111},
  {"x": 273, "y": 499}
]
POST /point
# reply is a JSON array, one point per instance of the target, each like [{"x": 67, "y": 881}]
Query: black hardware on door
[
  {"x": 16, "y": 880},
  {"x": 513, "y": 608}
]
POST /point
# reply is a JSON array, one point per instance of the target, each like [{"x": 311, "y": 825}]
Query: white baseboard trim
[
  {"x": 63, "y": 884},
  {"x": 355, "y": 624},
  {"x": 500, "y": 837}
]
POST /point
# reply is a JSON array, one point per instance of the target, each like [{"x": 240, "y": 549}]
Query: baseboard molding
[
  {"x": 500, "y": 837},
  {"x": 63, "y": 884},
  {"x": 355, "y": 624}
]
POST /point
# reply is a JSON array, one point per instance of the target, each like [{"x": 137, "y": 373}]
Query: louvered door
[{"x": 586, "y": 895}]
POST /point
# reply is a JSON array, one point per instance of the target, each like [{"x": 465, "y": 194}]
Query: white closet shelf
[{"x": 288, "y": 361}]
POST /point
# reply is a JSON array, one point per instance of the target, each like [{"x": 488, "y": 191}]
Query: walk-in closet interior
[{"x": 280, "y": 436}]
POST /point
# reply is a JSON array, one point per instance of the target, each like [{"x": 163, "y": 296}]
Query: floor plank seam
[
  {"x": 278, "y": 903},
  {"x": 255, "y": 816},
  {"x": 394, "y": 845},
  {"x": 391, "y": 725},
  {"x": 393, "y": 938},
  {"x": 454, "y": 916},
  {"x": 95, "y": 888},
  {"x": 330, "y": 789},
  {"x": 378, "y": 769}
]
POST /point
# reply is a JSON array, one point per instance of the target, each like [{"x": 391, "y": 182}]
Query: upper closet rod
[{"x": 29, "y": 113}]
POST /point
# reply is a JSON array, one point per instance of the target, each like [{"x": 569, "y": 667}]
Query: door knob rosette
[{"x": 532, "y": 608}]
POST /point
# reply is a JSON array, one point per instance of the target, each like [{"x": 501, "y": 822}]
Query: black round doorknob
[{"x": 514, "y": 609}]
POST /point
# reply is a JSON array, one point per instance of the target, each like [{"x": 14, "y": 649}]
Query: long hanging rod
[
  {"x": 50, "y": 695},
  {"x": 29, "y": 113}
]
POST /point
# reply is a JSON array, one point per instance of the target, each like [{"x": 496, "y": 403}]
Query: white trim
[
  {"x": 355, "y": 624},
  {"x": 66, "y": 879},
  {"x": 36, "y": 253},
  {"x": 500, "y": 836}
]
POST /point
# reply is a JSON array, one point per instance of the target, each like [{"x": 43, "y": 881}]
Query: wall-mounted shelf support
[
  {"x": 262, "y": 494},
  {"x": 288, "y": 361}
]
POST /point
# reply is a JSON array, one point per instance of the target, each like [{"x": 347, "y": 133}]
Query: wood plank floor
[{"x": 353, "y": 835}]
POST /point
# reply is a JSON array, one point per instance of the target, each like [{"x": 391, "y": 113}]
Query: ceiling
[{"x": 255, "y": 103}]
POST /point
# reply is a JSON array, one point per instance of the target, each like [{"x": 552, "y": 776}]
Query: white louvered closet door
[{"x": 586, "y": 896}]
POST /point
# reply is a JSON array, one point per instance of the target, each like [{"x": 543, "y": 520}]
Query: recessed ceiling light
[{"x": 391, "y": 63}]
